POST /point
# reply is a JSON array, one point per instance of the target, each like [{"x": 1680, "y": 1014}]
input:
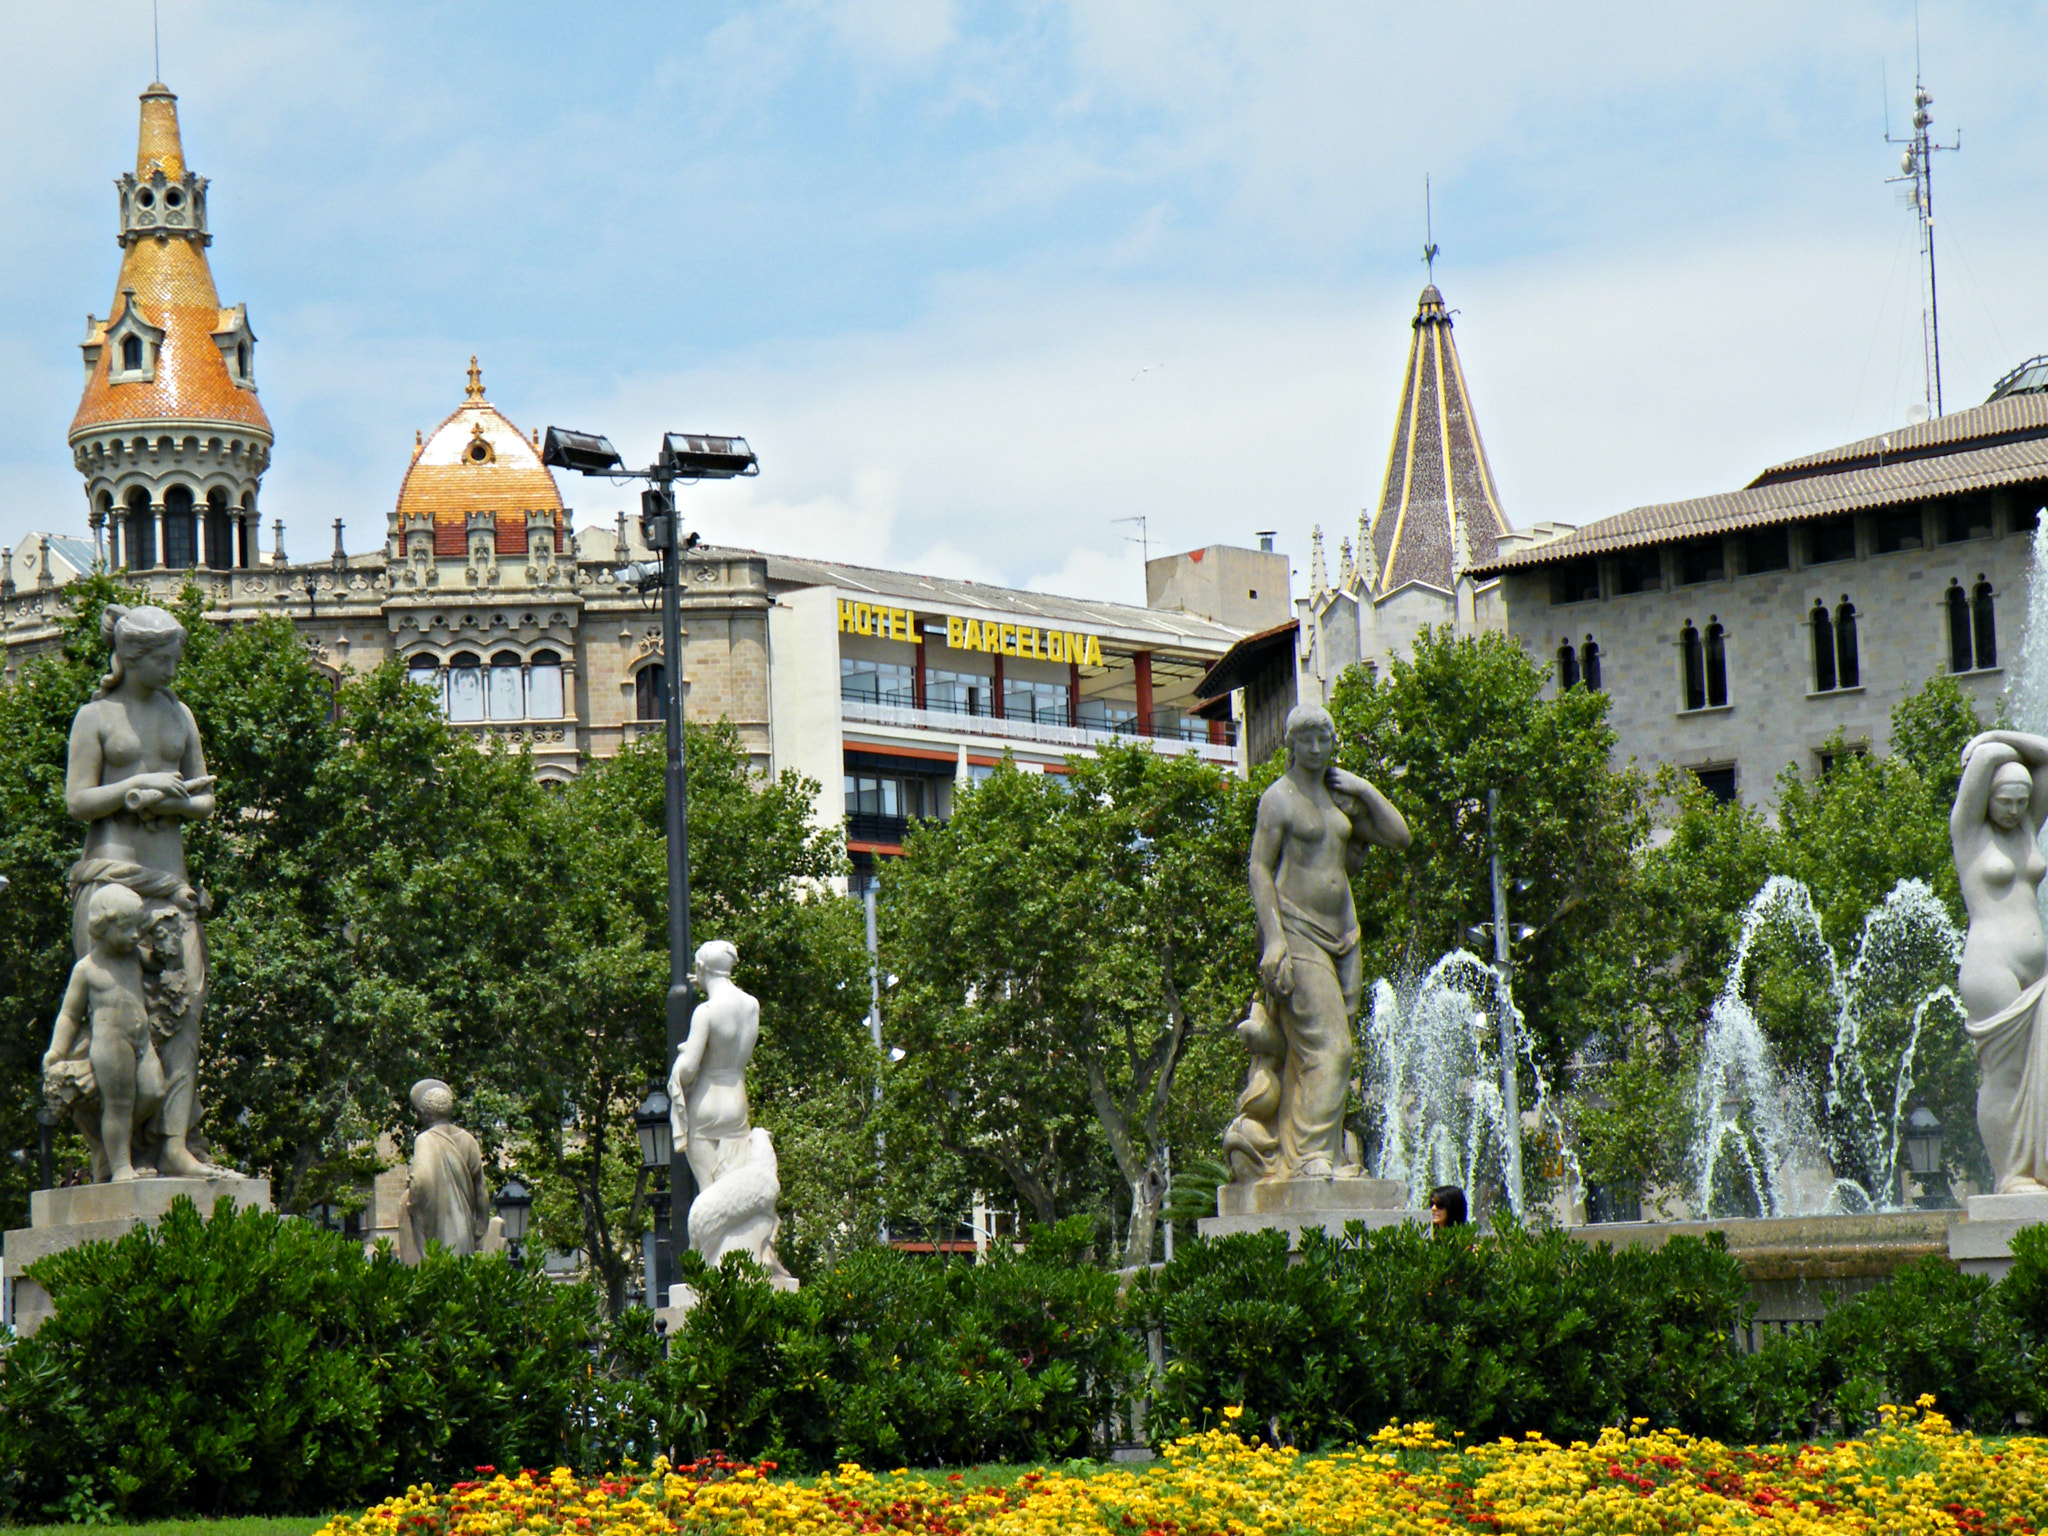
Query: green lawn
[{"x": 254, "y": 1525}]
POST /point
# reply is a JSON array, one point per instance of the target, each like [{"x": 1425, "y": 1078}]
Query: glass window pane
[
  {"x": 506, "y": 693},
  {"x": 465, "y": 689},
  {"x": 544, "y": 690}
]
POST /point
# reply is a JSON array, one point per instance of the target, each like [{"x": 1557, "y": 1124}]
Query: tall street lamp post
[{"x": 684, "y": 456}]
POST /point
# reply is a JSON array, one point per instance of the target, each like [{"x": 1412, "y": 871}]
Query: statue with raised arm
[
  {"x": 135, "y": 776},
  {"x": 738, "y": 1181},
  {"x": 1993, "y": 831},
  {"x": 1315, "y": 823}
]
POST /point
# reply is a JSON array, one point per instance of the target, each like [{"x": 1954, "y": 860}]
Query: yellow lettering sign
[
  {"x": 1093, "y": 656},
  {"x": 845, "y": 617},
  {"x": 954, "y": 629},
  {"x": 1008, "y": 643}
]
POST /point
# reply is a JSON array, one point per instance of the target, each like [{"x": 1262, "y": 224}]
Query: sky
[{"x": 982, "y": 282}]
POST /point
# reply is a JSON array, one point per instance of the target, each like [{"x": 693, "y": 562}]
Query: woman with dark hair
[{"x": 1447, "y": 1206}]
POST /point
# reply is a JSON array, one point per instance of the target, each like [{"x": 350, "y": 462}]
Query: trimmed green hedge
[{"x": 248, "y": 1363}]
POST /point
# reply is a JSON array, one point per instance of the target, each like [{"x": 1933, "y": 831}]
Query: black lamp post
[
  {"x": 684, "y": 456},
  {"x": 1923, "y": 1154},
  {"x": 514, "y": 1206},
  {"x": 657, "y": 1152}
]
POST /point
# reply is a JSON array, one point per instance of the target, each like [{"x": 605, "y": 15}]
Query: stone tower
[
  {"x": 169, "y": 434},
  {"x": 1439, "y": 519}
]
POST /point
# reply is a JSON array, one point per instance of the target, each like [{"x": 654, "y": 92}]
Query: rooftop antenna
[
  {"x": 1916, "y": 168},
  {"x": 1428, "y": 231},
  {"x": 1143, "y": 542},
  {"x": 156, "y": 40}
]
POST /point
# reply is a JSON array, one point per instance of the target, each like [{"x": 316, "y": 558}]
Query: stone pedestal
[
  {"x": 100, "y": 1213},
  {"x": 1292, "y": 1204},
  {"x": 1981, "y": 1243}
]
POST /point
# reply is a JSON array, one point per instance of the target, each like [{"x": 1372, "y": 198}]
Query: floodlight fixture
[
  {"x": 700, "y": 456},
  {"x": 584, "y": 452}
]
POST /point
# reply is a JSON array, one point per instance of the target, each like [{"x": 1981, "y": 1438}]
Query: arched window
[
  {"x": 426, "y": 671},
  {"x": 650, "y": 692},
  {"x": 251, "y": 527},
  {"x": 141, "y": 550},
  {"x": 505, "y": 692},
  {"x": 131, "y": 354},
  {"x": 1847, "y": 669},
  {"x": 465, "y": 687},
  {"x": 1716, "y": 649},
  {"x": 1695, "y": 667},
  {"x": 544, "y": 686},
  {"x": 1567, "y": 667},
  {"x": 1961, "y": 651},
  {"x": 220, "y": 535},
  {"x": 1985, "y": 623},
  {"x": 1823, "y": 648},
  {"x": 1589, "y": 665},
  {"x": 242, "y": 361},
  {"x": 180, "y": 529}
]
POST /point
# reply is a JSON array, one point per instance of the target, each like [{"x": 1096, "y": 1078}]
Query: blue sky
[{"x": 979, "y": 280}]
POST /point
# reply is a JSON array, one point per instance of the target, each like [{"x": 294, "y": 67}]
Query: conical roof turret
[
  {"x": 168, "y": 351},
  {"x": 1438, "y": 502}
]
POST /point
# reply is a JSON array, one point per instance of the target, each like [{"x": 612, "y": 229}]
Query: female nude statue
[
  {"x": 1315, "y": 823},
  {"x": 2000, "y": 806},
  {"x": 136, "y": 775}
]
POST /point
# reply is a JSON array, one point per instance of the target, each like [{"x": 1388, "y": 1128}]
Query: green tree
[
  {"x": 1067, "y": 942},
  {"x": 1462, "y": 716},
  {"x": 592, "y": 996}
]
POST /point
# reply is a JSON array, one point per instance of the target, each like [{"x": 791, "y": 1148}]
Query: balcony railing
[
  {"x": 1193, "y": 735},
  {"x": 872, "y": 827}
]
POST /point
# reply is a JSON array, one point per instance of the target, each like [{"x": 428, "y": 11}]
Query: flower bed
[{"x": 1913, "y": 1473}]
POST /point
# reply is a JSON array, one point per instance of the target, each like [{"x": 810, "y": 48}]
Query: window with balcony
[
  {"x": 877, "y": 682},
  {"x": 880, "y": 807},
  {"x": 1108, "y": 715},
  {"x": 1043, "y": 703},
  {"x": 957, "y": 693}
]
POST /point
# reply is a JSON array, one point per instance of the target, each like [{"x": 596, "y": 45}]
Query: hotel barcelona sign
[{"x": 1024, "y": 640}]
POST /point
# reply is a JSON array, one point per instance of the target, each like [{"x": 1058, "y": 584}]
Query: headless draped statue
[
  {"x": 1994, "y": 829},
  {"x": 733, "y": 1159},
  {"x": 1315, "y": 823},
  {"x": 135, "y": 776},
  {"x": 445, "y": 1201}
]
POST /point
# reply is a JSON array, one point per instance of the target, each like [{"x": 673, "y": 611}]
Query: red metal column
[
  {"x": 1141, "y": 665},
  {"x": 917, "y": 673},
  {"x": 995, "y": 699},
  {"x": 1073, "y": 693}
]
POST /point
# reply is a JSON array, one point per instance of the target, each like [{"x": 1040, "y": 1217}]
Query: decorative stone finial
[
  {"x": 1318, "y": 569},
  {"x": 475, "y": 391}
]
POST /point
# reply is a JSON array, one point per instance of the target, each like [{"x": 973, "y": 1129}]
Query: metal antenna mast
[
  {"x": 1916, "y": 168},
  {"x": 1429, "y": 251},
  {"x": 156, "y": 41}
]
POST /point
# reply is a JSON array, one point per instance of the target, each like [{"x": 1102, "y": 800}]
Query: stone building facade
[{"x": 1740, "y": 633}]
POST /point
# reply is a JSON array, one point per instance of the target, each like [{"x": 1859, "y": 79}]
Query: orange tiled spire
[{"x": 168, "y": 351}]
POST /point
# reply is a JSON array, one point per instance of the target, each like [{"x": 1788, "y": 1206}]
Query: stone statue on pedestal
[
  {"x": 445, "y": 1201},
  {"x": 2000, "y": 806},
  {"x": 1315, "y": 823},
  {"x": 733, "y": 1160},
  {"x": 136, "y": 775}
]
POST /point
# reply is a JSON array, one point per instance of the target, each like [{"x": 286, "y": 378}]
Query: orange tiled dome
[
  {"x": 477, "y": 461},
  {"x": 166, "y": 279}
]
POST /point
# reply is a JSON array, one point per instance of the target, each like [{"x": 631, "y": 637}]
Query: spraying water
[
  {"x": 1431, "y": 1065},
  {"x": 1758, "y": 1142}
]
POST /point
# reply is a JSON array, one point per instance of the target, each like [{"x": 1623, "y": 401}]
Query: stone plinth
[
  {"x": 1981, "y": 1243},
  {"x": 1289, "y": 1205},
  {"x": 100, "y": 1213}
]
